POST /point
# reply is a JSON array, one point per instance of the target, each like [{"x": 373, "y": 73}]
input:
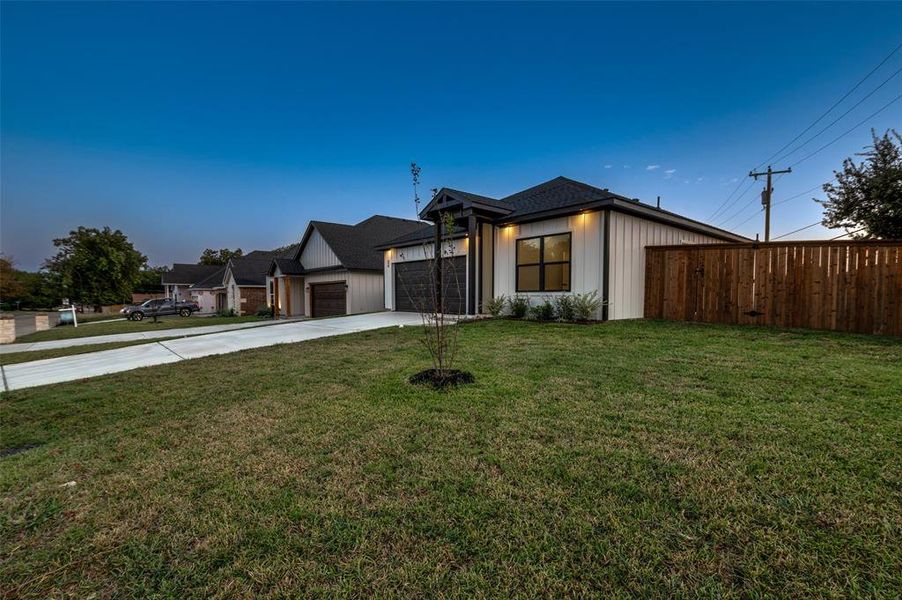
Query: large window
[{"x": 543, "y": 264}]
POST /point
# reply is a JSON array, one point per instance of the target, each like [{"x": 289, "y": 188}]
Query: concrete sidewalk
[
  {"x": 136, "y": 336},
  {"x": 81, "y": 366}
]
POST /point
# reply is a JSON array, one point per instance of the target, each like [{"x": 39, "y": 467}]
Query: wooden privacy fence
[{"x": 845, "y": 286}]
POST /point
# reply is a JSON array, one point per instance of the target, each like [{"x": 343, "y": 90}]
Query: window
[{"x": 543, "y": 264}]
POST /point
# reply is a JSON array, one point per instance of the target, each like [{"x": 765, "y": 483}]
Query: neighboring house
[
  {"x": 336, "y": 269},
  {"x": 244, "y": 281},
  {"x": 210, "y": 293},
  {"x": 178, "y": 280},
  {"x": 558, "y": 237},
  {"x": 139, "y": 297}
]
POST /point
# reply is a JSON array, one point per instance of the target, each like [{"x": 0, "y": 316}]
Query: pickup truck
[{"x": 158, "y": 308}]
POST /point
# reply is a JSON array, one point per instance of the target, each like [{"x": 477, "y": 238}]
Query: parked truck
[{"x": 158, "y": 308}]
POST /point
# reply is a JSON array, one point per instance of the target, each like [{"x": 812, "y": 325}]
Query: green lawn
[
  {"x": 66, "y": 332},
  {"x": 13, "y": 358},
  {"x": 629, "y": 458}
]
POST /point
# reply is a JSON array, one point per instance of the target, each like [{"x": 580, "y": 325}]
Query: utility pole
[{"x": 766, "y": 195}]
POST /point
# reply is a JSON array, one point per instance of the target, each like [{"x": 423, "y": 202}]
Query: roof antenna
[{"x": 659, "y": 202}]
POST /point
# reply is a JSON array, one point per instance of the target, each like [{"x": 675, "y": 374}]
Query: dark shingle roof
[
  {"x": 476, "y": 198},
  {"x": 214, "y": 280},
  {"x": 183, "y": 273},
  {"x": 271, "y": 254},
  {"x": 421, "y": 235},
  {"x": 356, "y": 245},
  {"x": 288, "y": 266},
  {"x": 250, "y": 271},
  {"x": 561, "y": 196},
  {"x": 253, "y": 254},
  {"x": 559, "y": 192}
]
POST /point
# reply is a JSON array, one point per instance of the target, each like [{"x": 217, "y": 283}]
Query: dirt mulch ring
[{"x": 441, "y": 380}]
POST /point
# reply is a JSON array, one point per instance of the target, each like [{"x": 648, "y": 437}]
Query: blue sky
[{"x": 220, "y": 125}]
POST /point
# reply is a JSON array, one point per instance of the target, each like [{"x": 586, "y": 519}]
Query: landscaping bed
[{"x": 632, "y": 458}]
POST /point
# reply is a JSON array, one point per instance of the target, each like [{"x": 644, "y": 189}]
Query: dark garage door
[
  {"x": 413, "y": 285},
  {"x": 328, "y": 299}
]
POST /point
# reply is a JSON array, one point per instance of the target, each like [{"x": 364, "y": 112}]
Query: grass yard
[
  {"x": 13, "y": 358},
  {"x": 630, "y": 458},
  {"x": 66, "y": 332}
]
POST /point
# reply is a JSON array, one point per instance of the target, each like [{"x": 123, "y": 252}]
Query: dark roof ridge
[{"x": 386, "y": 217}]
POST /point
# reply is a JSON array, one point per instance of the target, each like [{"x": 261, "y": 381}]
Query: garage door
[
  {"x": 413, "y": 285},
  {"x": 328, "y": 299}
]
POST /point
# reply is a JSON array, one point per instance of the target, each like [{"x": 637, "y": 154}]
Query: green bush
[
  {"x": 495, "y": 306},
  {"x": 564, "y": 307},
  {"x": 226, "y": 312},
  {"x": 585, "y": 306},
  {"x": 518, "y": 305},
  {"x": 543, "y": 311},
  {"x": 264, "y": 311}
]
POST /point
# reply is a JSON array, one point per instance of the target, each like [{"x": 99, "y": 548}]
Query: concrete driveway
[
  {"x": 81, "y": 366},
  {"x": 135, "y": 336}
]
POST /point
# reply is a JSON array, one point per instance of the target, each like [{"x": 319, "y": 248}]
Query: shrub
[
  {"x": 543, "y": 311},
  {"x": 585, "y": 306},
  {"x": 226, "y": 312},
  {"x": 564, "y": 307},
  {"x": 265, "y": 311},
  {"x": 518, "y": 305},
  {"x": 495, "y": 306}
]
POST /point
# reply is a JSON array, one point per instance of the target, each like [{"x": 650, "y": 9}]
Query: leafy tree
[
  {"x": 11, "y": 285},
  {"x": 27, "y": 290},
  {"x": 150, "y": 280},
  {"x": 96, "y": 266},
  {"x": 219, "y": 257},
  {"x": 42, "y": 290},
  {"x": 867, "y": 198}
]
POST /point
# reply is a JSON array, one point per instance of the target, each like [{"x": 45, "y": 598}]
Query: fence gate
[{"x": 844, "y": 286}]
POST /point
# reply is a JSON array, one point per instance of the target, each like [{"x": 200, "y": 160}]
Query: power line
[
  {"x": 750, "y": 217},
  {"x": 736, "y": 189},
  {"x": 742, "y": 209},
  {"x": 758, "y": 211},
  {"x": 725, "y": 205},
  {"x": 750, "y": 185},
  {"x": 853, "y": 128},
  {"x": 834, "y": 105},
  {"x": 848, "y": 233},
  {"x": 837, "y": 119},
  {"x": 800, "y": 194},
  {"x": 798, "y": 230}
]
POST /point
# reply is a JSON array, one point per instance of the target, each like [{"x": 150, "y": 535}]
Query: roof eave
[
  {"x": 655, "y": 214},
  {"x": 454, "y": 236},
  {"x": 633, "y": 208}
]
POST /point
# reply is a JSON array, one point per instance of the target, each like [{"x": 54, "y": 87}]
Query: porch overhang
[{"x": 461, "y": 205}]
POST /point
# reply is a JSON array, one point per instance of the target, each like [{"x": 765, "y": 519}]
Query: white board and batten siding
[
  {"x": 364, "y": 289},
  {"x": 317, "y": 253},
  {"x": 629, "y": 237},
  {"x": 586, "y": 254},
  {"x": 421, "y": 251}
]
